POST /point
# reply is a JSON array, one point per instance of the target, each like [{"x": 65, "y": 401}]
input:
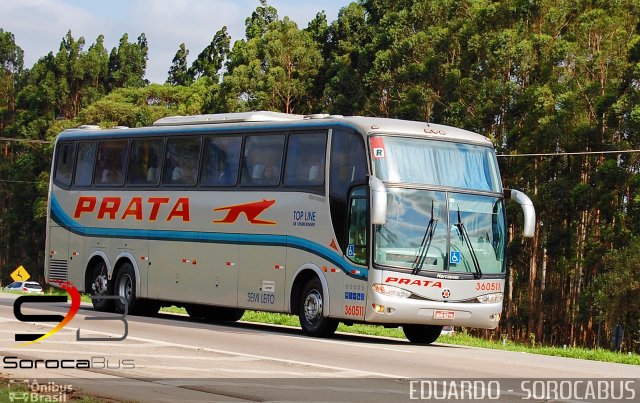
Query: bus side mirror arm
[
  {"x": 527, "y": 208},
  {"x": 378, "y": 201}
]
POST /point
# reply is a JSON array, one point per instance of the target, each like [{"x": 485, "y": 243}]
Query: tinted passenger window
[
  {"x": 221, "y": 161},
  {"x": 305, "y": 159},
  {"x": 181, "y": 161},
  {"x": 84, "y": 166},
  {"x": 144, "y": 162},
  {"x": 262, "y": 161},
  {"x": 348, "y": 163},
  {"x": 64, "y": 163},
  {"x": 112, "y": 155},
  {"x": 348, "y": 167}
]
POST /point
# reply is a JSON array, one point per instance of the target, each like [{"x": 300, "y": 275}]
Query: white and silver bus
[{"x": 335, "y": 219}]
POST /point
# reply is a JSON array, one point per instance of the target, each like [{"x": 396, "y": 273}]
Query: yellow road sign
[{"x": 20, "y": 274}]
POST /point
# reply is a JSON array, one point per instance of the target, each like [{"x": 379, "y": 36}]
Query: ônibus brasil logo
[{"x": 30, "y": 338}]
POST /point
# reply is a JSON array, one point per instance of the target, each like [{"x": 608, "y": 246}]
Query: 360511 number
[
  {"x": 488, "y": 286},
  {"x": 354, "y": 310}
]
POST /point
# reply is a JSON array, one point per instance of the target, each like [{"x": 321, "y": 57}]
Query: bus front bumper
[{"x": 397, "y": 311}]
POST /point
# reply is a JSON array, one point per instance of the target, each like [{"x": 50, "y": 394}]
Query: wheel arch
[{"x": 300, "y": 278}]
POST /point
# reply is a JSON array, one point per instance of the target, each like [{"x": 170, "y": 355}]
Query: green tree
[
  {"x": 11, "y": 67},
  {"x": 257, "y": 24},
  {"x": 275, "y": 71},
  {"x": 179, "y": 74},
  {"x": 211, "y": 59},
  {"x": 348, "y": 57},
  {"x": 128, "y": 63}
]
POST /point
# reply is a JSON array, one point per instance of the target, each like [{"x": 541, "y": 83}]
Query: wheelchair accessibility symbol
[
  {"x": 455, "y": 257},
  {"x": 351, "y": 250}
]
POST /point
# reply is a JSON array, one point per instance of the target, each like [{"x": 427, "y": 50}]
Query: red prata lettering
[
  {"x": 86, "y": 204},
  {"x": 156, "y": 201},
  {"x": 110, "y": 207},
  {"x": 134, "y": 209},
  {"x": 180, "y": 209},
  {"x": 406, "y": 281}
]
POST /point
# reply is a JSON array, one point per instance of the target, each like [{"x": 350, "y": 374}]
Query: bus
[{"x": 331, "y": 218}]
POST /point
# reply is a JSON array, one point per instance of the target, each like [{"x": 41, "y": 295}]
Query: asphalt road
[{"x": 174, "y": 358}]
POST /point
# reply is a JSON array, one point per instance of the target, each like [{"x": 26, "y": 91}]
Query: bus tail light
[{"x": 390, "y": 290}]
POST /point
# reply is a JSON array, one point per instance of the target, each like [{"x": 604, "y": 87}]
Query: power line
[
  {"x": 9, "y": 139},
  {"x": 10, "y": 181},
  {"x": 576, "y": 153}
]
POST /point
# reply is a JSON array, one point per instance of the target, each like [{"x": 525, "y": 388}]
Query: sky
[{"x": 40, "y": 25}]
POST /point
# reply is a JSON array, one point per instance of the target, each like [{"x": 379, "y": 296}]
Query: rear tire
[
  {"x": 125, "y": 288},
  {"x": 311, "y": 311},
  {"x": 101, "y": 286},
  {"x": 422, "y": 334}
]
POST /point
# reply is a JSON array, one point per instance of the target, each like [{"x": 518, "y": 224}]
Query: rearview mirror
[
  {"x": 527, "y": 208},
  {"x": 378, "y": 201}
]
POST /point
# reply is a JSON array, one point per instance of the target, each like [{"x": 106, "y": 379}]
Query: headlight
[
  {"x": 391, "y": 291},
  {"x": 490, "y": 298}
]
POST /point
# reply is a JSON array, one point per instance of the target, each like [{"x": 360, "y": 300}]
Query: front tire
[
  {"x": 101, "y": 286},
  {"x": 422, "y": 334},
  {"x": 311, "y": 311},
  {"x": 125, "y": 289}
]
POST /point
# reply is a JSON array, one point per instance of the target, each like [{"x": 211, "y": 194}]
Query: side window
[
  {"x": 110, "y": 168},
  {"x": 305, "y": 159},
  {"x": 64, "y": 163},
  {"x": 262, "y": 162},
  {"x": 181, "y": 161},
  {"x": 84, "y": 166},
  {"x": 221, "y": 161},
  {"x": 348, "y": 166},
  {"x": 144, "y": 162},
  {"x": 348, "y": 163}
]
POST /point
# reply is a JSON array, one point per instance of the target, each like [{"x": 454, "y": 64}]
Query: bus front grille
[{"x": 58, "y": 270}]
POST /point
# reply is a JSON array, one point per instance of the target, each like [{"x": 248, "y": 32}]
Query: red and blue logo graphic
[{"x": 31, "y": 338}]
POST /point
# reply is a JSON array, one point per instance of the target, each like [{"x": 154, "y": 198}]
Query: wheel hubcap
[
  {"x": 125, "y": 288},
  {"x": 313, "y": 306},
  {"x": 99, "y": 285}
]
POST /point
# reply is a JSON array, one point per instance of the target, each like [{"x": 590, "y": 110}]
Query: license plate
[{"x": 444, "y": 314}]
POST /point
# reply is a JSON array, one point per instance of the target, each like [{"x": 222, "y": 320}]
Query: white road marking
[{"x": 256, "y": 356}]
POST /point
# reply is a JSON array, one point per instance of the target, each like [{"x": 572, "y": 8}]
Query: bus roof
[{"x": 232, "y": 122}]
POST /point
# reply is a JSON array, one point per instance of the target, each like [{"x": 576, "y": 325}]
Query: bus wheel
[
  {"x": 311, "y": 308},
  {"x": 125, "y": 288},
  {"x": 422, "y": 334},
  {"x": 100, "y": 286}
]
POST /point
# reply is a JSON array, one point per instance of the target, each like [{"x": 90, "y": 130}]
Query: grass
[{"x": 459, "y": 338}]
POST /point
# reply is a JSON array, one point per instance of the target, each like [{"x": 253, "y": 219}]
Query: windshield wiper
[
  {"x": 467, "y": 240},
  {"x": 425, "y": 244}
]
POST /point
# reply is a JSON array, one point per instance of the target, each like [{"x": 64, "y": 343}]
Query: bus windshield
[
  {"x": 442, "y": 231},
  {"x": 439, "y": 163}
]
